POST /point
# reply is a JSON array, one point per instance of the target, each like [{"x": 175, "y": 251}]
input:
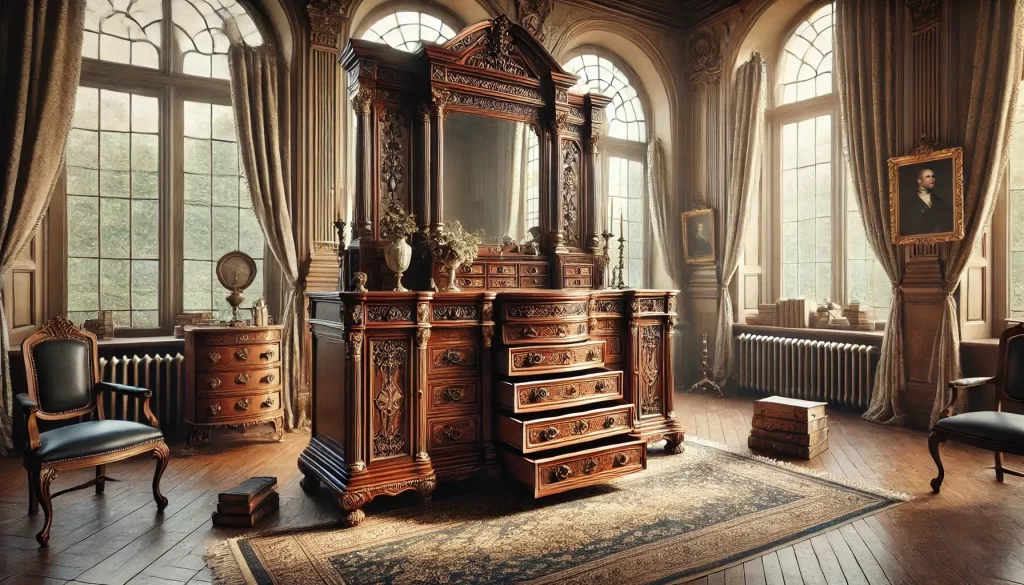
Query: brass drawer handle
[
  {"x": 451, "y": 357},
  {"x": 214, "y": 357},
  {"x": 268, "y": 379},
  {"x": 590, "y": 466},
  {"x": 529, "y": 332},
  {"x": 242, "y": 354},
  {"x": 501, "y": 270},
  {"x": 572, "y": 391},
  {"x": 548, "y": 433},
  {"x": 268, "y": 355},
  {"x": 621, "y": 459},
  {"x": 213, "y": 383},
  {"x": 560, "y": 473},
  {"x": 242, "y": 404},
  {"x": 531, "y": 270},
  {"x": 580, "y": 427},
  {"x": 600, "y": 386},
  {"x": 466, "y": 269},
  {"x": 533, "y": 359},
  {"x": 592, "y": 355},
  {"x": 451, "y": 433},
  {"x": 268, "y": 403},
  {"x": 214, "y": 409},
  {"x": 609, "y": 422},
  {"x": 454, "y": 394},
  {"x": 539, "y": 394},
  {"x": 242, "y": 378}
]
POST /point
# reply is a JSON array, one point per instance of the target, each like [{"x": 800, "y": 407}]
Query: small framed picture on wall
[
  {"x": 699, "y": 236},
  {"x": 926, "y": 196}
]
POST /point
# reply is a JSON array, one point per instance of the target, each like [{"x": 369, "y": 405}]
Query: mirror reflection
[{"x": 491, "y": 176}]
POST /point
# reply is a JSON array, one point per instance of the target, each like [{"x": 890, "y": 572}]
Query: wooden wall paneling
[{"x": 23, "y": 291}]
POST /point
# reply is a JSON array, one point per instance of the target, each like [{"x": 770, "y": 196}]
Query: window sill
[{"x": 841, "y": 335}]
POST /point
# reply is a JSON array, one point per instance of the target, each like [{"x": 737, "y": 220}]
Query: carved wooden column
[
  {"x": 362, "y": 102},
  {"x": 419, "y": 416},
  {"x": 439, "y": 99},
  {"x": 487, "y": 337},
  {"x": 592, "y": 242},
  {"x": 354, "y": 433},
  {"x": 421, "y": 205},
  {"x": 556, "y": 227}
]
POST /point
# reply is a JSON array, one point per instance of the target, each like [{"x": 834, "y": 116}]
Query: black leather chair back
[
  {"x": 1013, "y": 373},
  {"x": 64, "y": 376}
]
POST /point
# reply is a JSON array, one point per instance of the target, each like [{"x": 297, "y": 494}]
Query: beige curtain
[
  {"x": 664, "y": 209},
  {"x": 865, "y": 45},
  {"x": 995, "y": 80},
  {"x": 259, "y": 93},
  {"x": 40, "y": 62},
  {"x": 749, "y": 101}
]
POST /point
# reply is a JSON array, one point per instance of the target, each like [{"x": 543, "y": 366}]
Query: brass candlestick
[
  {"x": 705, "y": 383},
  {"x": 620, "y": 283},
  {"x": 604, "y": 260}
]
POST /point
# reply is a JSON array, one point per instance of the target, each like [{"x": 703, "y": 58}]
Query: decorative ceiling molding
[
  {"x": 672, "y": 15},
  {"x": 705, "y": 59},
  {"x": 924, "y": 13},
  {"x": 326, "y": 20},
  {"x": 532, "y": 14}
]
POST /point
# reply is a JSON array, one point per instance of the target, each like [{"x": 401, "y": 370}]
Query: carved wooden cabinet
[{"x": 233, "y": 379}]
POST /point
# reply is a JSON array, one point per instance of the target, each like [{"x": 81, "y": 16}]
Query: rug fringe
[
  {"x": 876, "y": 490},
  {"x": 223, "y": 565}
]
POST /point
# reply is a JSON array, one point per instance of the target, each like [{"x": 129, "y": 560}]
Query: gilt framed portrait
[
  {"x": 699, "y": 236},
  {"x": 926, "y": 197}
]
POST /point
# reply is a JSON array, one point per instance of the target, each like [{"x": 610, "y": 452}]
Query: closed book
[
  {"x": 243, "y": 508},
  {"x": 788, "y": 426},
  {"x": 788, "y": 449},
  {"x": 789, "y": 408},
  {"x": 791, "y": 438},
  {"x": 268, "y": 505},
  {"x": 248, "y": 490}
]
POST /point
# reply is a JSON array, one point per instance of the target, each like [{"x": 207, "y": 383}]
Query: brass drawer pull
[
  {"x": 533, "y": 359},
  {"x": 268, "y": 355},
  {"x": 549, "y": 433},
  {"x": 592, "y": 355},
  {"x": 572, "y": 391},
  {"x": 214, "y": 356},
  {"x": 580, "y": 427},
  {"x": 242, "y": 378},
  {"x": 590, "y": 466},
  {"x": 268, "y": 379},
  {"x": 539, "y": 394},
  {"x": 600, "y": 386},
  {"x": 242, "y": 404},
  {"x": 451, "y": 433},
  {"x": 454, "y": 394},
  {"x": 213, "y": 383},
  {"x": 214, "y": 409},
  {"x": 621, "y": 459},
  {"x": 560, "y": 473},
  {"x": 242, "y": 354},
  {"x": 501, "y": 270},
  {"x": 268, "y": 403},
  {"x": 609, "y": 422},
  {"x": 451, "y": 357},
  {"x": 529, "y": 332}
]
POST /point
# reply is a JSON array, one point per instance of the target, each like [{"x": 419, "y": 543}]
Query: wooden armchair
[
  {"x": 993, "y": 430},
  {"x": 63, "y": 383}
]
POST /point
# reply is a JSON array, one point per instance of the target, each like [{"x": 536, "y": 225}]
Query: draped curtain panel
[
  {"x": 865, "y": 49},
  {"x": 749, "y": 101},
  {"x": 260, "y": 99},
  {"x": 40, "y": 63},
  {"x": 664, "y": 209},
  {"x": 995, "y": 80}
]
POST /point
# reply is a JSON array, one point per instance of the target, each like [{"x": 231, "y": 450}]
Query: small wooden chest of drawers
[{"x": 233, "y": 378}]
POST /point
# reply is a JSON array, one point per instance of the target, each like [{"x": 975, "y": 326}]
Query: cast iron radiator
[{"x": 164, "y": 375}]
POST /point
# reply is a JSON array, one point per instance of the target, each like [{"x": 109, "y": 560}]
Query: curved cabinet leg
[
  {"x": 33, "y": 502},
  {"x": 352, "y": 504},
  {"x": 161, "y": 453},
  {"x": 279, "y": 428},
  {"x": 933, "y": 447},
  {"x": 101, "y": 470},
  {"x": 674, "y": 443},
  {"x": 425, "y": 489},
  {"x": 42, "y": 486}
]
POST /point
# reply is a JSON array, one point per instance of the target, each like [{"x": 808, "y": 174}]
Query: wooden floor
[{"x": 972, "y": 533}]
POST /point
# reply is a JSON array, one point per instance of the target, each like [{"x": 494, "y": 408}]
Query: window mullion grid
[
  {"x": 172, "y": 239},
  {"x": 839, "y": 212}
]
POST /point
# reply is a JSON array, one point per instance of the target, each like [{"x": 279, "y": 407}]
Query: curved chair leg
[
  {"x": 101, "y": 470},
  {"x": 161, "y": 453},
  {"x": 42, "y": 486},
  {"x": 33, "y": 502},
  {"x": 999, "y": 466},
  {"x": 933, "y": 447}
]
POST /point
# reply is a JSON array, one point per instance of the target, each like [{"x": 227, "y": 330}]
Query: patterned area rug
[{"x": 686, "y": 516}]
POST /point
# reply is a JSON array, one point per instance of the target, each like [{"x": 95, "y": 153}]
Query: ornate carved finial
[
  {"x": 706, "y": 62},
  {"x": 924, "y": 13},
  {"x": 532, "y": 14},
  {"x": 326, "y": 19},
  {"x": 925, "y": 145},
  {"x": 497, "y": 49},
  {"x": 60, "y": 328}
]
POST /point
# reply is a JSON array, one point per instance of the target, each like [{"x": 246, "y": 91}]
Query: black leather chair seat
[
  {"x": 93, "y": 438},
  {"x": 1003, "y": 427}
]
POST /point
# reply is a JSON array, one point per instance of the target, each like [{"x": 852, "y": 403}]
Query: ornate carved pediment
[
  {"x": 501, "y": 45},
  {"x": 326, "y": 19}
]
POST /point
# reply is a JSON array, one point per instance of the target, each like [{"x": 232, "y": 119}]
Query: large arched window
[
  {"x": 408, "y": 30},
  {"x": 154, "y": 191},
  {"x": 623, "y": 155},
  {"x": 815, "y": 200}
]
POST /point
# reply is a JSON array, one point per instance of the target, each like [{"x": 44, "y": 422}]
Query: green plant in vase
[
  {"x": 396, "y": 226},
  {"x": 453, "y": 247}
]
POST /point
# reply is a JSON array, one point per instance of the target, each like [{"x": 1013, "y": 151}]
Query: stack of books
[
  {"x": 766, "y": 315},
  {"x": 792, "y": 313},
  {"x": 860, "y": 319},
  {"x": 246, "y": 503},
  {"x": 789, "y": 427}
]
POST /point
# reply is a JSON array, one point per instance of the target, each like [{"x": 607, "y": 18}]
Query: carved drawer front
[
  {"x": 541, "y": 395},
  {"x": 469, "y": 281},
  {"x": 240, "y": 336},
  {"x": 533, "y": 282},
  {"x": 502, "y": 269},
  {"x": 453, "y": 431},
  {"x": 502, "y": 282},
  {"x": 227, "y": 408},
  {"x": 225, "y": 382},
  {"x": 533, "y": 269},
  {"x": 456, "y": 359},
  {"x": 532, "y": 311},
  {"x": 578, "y": 270},
  {"x": 579, "y": 282},
  {"x": 544, "y": 359},
  {"x": 474, "y": 269},
  {"x": 232, "y": 356},
  {"x": 571, "y": 468},
  {"x": 520, "y": 334},
  {"x": 452, "y": 395},
  {"x": 612, "y": 347},
  {"x": 530, "y": 435}
]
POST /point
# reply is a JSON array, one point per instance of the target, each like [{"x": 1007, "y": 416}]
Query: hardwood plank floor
[{"x": 973, "y": 533}]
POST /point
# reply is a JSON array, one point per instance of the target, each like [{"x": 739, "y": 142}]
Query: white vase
[{"x": 398, "y": 255}]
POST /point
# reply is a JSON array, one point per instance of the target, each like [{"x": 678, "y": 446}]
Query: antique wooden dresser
[{"x": 233, "y": 379}]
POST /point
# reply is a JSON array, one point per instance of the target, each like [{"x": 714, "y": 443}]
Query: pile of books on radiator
[
  {"x": 859, "y": 318},
  {"x": 765, "y": 315},
  {"x": 789, "y": 427},
  {"x": 246, "y": 503}
]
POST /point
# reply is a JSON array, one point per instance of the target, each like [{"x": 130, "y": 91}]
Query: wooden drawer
[
  {"x": 533, "y": 269},
  {"x": 453, "y": 432},
  {"x": 519, "y": 334},
  {"x": 452, "y": 395},
  {"x": 533, "y": 282},
  {"x": 541, "y": 395},
  {"x": 612, "y": 347},
  {"x": 542, "y": 434},
  {"x": 502, "y": 282},
  {"x": 502, "y": 269},
  {"x": 472, "y": 269},
  {"x": 543, "y": 359},
  {"x": 227, "y": 408},
  {"x": 469, "y": 281},
  {"x": 232, "y": 356},
  {"x": 229, "y": 336},
  {"x": 544, "y": 310},
  {"x": 219, "y": 382},
  {"x": 453, "y": 359},
  {"x": 568, "y": 469},
  {"x": 579, "y": 282},
  {"x": 578, "y": 270}
]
